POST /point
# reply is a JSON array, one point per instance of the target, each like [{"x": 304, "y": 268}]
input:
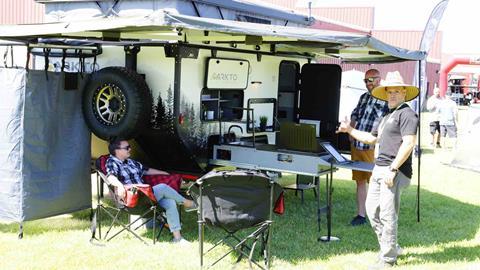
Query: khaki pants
[
  {"x": 361, "y": 155},
  {"x": 382, "y": 207}
]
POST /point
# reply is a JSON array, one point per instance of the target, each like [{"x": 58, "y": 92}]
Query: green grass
[{"x": 447, "y": 237}]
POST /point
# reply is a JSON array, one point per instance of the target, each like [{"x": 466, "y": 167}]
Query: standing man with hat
[
  {"x": 366, "y": 114},
  {"x": 394, "y": 138}
]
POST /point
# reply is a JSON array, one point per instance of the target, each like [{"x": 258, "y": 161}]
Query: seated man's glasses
[
  {"x": 369, "y": 80},
  {"x": 128, "y": 147}
]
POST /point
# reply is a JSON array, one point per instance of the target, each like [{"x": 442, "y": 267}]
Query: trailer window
[
  {"x": 288, "y": 91},
  {"x": 261, "y": 108}
]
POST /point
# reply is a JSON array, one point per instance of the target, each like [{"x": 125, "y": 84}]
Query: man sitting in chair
[{"x": 122, "y": 170}]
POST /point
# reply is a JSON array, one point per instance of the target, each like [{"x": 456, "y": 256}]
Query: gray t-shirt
[
  {"x": 447, "y": 111},
  {"x": 398, "y": 123}
]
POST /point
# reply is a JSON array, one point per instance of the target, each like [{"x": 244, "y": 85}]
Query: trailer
[{"x": 181, "y": 86}]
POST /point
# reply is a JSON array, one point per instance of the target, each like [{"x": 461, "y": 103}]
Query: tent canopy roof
[{"x": 164, "y": 26}]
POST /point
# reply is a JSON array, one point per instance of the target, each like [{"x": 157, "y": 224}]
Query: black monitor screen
[{"x": 332, "y": 151}]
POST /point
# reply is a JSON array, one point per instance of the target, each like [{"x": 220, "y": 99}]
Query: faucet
[{"x": 229, "y": 137}]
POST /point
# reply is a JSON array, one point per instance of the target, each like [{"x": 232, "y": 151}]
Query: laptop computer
[
  {"x": 339, "y": 159},
  {"x": 343, "y": 162}
]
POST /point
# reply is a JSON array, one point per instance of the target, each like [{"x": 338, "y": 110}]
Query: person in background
[
  {"x": 122, "y": 170},
  {"x": 394, "y": 139},
  {"x": 448, "y": 120},
  {"x": 433, "y": 104},
  {"x": 365, "y": 115}
]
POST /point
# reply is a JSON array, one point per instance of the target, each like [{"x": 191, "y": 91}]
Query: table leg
[{"x": 329, "y": 182}]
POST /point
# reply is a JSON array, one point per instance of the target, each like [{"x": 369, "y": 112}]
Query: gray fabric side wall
[
  {"x": 56, "y": 156},
  {"x": 11, "y": 136}
]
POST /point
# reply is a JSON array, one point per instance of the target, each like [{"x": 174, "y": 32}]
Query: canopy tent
[{"x": 162, "y": 26}]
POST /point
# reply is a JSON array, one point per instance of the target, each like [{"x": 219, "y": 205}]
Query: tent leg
[
  {"x": 419, "y": 159},
  {"x": 20, "y": 231}
]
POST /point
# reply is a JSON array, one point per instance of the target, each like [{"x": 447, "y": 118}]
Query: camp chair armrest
[
  {"x": 118, "y": 196},
  {"x": 112, "y": 180},
  {"x": 114, "y": 185}
]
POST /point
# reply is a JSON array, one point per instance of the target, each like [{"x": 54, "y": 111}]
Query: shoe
[
  {"x": 358, "y": 220},
  {"x": 192, "y": 208},
  {"x": 399, "y": 253},
  {"x": 399, "y": 250},
  {"x": 382, "y": 265},
  {"x": 180, "y": 241},
  {"x": 438, "y": 145}
]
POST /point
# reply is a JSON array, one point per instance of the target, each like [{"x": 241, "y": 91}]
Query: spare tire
[{"x": 116, "y": 103}]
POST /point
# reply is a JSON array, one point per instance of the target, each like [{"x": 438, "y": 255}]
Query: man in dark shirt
[
  {"x": 394, "y": 139},
  {"x": 122, "y": 170}
]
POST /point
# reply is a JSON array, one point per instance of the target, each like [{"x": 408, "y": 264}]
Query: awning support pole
[{"x": 419, "y": 108}]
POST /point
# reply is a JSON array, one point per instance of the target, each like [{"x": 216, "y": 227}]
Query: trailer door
[{"x": 320, "y": 98}]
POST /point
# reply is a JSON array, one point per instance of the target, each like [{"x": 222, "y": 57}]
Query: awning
[{"x": 164, "y": 26}]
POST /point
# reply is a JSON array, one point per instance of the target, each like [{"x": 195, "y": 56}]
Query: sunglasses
[
  {"x": 128, "y": 147},
  {"x": 371, "y": 79}
]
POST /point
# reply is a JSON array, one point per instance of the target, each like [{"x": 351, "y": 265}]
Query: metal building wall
[
  {"x": 340, "y": 27},
  {"x": 410, "y": 40},
  {"x": 289, "y": 4},
  {"x": 20, "y": 12},
  {"x": 364, "y": 17},
  {"x": 406, "y": 69},
  {"x": 361, "y": 16}
]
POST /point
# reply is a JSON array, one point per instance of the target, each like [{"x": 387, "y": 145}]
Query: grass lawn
[{"x": 447, "y": 237}]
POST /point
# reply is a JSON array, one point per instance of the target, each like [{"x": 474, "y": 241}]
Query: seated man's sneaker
[
  {"x": 358, "y": 220},
  {"x": 191, "y": 208},
  {"x": 180, "y": 241}
]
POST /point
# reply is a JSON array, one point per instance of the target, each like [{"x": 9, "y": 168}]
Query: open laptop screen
[{"x": 333, "y": 152}]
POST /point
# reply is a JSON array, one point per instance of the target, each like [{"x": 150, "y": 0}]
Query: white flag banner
[
  {"x": 419, "y": 78},
  {"x": 428, "y": 37}
]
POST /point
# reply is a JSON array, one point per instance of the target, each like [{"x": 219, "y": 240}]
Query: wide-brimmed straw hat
[{"x": 394, "y": 79}]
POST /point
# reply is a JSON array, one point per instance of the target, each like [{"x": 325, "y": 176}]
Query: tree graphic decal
[{"x": 192, "y": 132}]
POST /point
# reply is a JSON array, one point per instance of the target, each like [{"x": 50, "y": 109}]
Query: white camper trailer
[{"x": 192, "y": 90}]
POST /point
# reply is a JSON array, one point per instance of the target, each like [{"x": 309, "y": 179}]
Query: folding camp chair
[
  {"x": 139, "y": 202},
  {"x": 234, "y": 201}
]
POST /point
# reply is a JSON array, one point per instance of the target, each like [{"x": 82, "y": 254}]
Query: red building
[
  {"x": 361, "y": 19},
  {"x": 21, "y": 12}
]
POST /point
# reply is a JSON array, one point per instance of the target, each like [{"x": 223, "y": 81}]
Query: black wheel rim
[{"x": 109, "y": 104}]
